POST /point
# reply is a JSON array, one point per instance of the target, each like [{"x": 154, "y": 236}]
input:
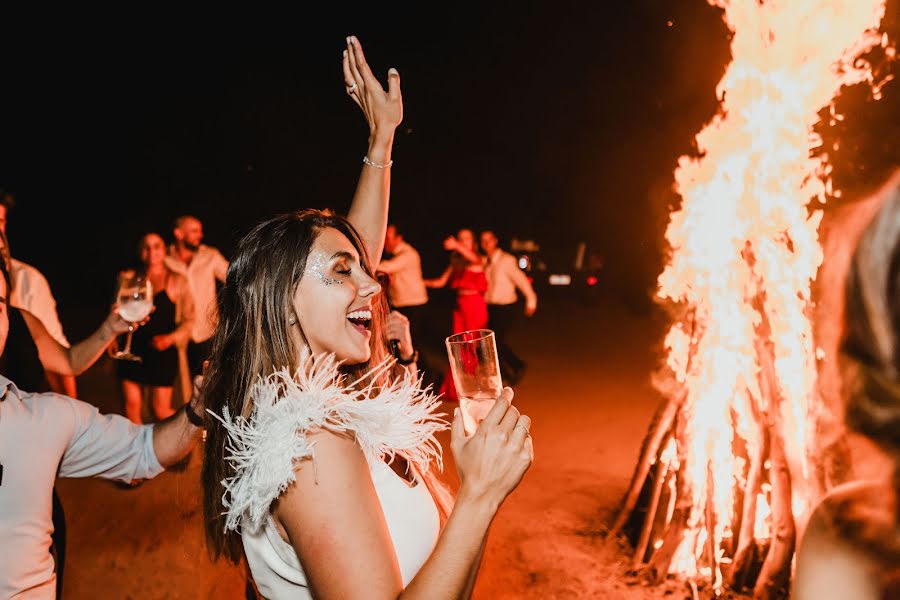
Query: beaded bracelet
[{"x": 371, "y": 163}]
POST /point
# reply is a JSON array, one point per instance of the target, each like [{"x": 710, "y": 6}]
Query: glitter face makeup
[
  {"x": 317, "y": 265},
  {"x": 333, "y": 298}
]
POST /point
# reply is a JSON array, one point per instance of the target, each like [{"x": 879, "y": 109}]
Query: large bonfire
[{"x": 725, "y": 471}]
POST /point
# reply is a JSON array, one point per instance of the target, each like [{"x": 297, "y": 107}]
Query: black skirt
[{"x": 156, "y": 368}]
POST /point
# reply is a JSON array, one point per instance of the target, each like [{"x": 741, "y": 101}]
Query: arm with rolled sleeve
[
  {"x": 112, "y": 447},
  {"x": 520, "y": 279},
  {"x": 107, "y": 446}
]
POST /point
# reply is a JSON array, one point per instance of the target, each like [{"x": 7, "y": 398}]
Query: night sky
[{"x": 559, "y": 121}]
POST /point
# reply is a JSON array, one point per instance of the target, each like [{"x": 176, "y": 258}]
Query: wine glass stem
[{"x": 128, "y": 343}]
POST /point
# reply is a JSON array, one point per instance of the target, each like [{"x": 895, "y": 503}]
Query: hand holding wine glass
[{"x": 134, "y": 305}]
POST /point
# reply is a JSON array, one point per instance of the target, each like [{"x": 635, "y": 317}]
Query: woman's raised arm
[{"x": 383, "y": 111}]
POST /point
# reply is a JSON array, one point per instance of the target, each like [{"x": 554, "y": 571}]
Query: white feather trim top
[{"x": 397, "y": 420}]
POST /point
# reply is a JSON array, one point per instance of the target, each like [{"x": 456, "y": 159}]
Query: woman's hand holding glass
[{"x": 492, "y": 461}]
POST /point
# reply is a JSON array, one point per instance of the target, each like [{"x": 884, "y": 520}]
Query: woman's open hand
[
  {"x": 383, "y": 110},
  {"x": 492, "y": 461}
]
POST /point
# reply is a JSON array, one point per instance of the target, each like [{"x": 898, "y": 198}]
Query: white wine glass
[{"x": 135, "y": 302}]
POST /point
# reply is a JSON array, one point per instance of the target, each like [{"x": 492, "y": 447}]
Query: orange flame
[
  {"x": 745, "y": 246},
  {"x": 761, "y": 530}
]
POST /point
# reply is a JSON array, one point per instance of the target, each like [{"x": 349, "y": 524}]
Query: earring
[{"x": 292, "y": 321}]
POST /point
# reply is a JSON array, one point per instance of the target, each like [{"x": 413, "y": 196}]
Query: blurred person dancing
[
  {"x": 393, "y": 329},
  {"x": 31, "y": 293},
  {"x": 203, "y": 266},
  {"x": 321, "y": 467},
  {"x": 504, "y": 277},
  {"x": 851, "y": 545},
  {"x": 406, "y": 287},
  {"x": 465, "y": 275},
  {"x": 156, "y": 343},
  {"x": 44, "y": 436}
]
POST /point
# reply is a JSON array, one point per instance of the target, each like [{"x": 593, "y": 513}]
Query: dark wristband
[
  {"x": 410, "y": 360},
  {"x": 195, "y": 419}
]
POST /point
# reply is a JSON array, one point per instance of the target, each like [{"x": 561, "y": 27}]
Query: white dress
[
  {"x": 398, "y": 420},
  {"x": 412, "y": 519}
]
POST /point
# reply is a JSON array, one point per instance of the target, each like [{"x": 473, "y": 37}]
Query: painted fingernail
[
  {"x": 393, "y": 71},
  {"x": 345, "y": 54},
  {"x": 349, "y": 39}
]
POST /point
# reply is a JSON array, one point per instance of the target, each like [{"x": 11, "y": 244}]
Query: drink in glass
[
  {"x": 134, "y": 311},
  {"x": 476, "y": 374},
  {"x": 135, "y": 302}
]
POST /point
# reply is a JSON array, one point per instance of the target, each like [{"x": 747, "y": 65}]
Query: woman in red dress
[{"x": 465, "y": 274}]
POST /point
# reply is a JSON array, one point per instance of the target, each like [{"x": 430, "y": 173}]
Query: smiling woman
[
  {"x": 334, "y": 302},
  {"x": 321, "y": 456}
]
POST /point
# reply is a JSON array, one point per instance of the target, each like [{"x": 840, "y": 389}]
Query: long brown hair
[
  {"x": 253, "y": 339},
  {"x": 381, "y": 308},
  {"x": 872, "y": 373}
]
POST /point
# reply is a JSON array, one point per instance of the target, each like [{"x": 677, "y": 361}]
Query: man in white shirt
[
  {"x": 203, "y": 266},
  {"x": 31, "y": 292},
  {"x": 504, "y": 278},
  {"x": 407, "y": 290},
  {"x": 45, "y": 436}
]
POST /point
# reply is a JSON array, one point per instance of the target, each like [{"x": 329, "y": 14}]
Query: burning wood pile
[{"x": 726, "y": 471}]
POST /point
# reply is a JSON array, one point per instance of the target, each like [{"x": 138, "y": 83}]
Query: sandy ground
[{"x": 587, "y": 391}]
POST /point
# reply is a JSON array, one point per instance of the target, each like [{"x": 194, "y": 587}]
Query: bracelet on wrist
[
  {"x": 408, "y": 361},
  {"x": 371, "y": 163},
  {"x": 194, "y": 419}
]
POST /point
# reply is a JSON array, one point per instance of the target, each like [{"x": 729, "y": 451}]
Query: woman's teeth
[{"x": 361, "y": 319}]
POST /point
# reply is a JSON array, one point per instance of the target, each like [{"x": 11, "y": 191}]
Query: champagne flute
[
  {"x": 476, "y": 374},
  {"x": 135, "y": 301}
]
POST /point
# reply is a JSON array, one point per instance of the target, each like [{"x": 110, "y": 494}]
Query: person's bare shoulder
[
  {"x": 829, "y": 566},
  {"x": 336, "y": 458}
]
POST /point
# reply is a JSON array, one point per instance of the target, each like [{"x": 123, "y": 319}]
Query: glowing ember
[
  {"x": 761, "y": 529},
  {"x": 744, "y": 252}
]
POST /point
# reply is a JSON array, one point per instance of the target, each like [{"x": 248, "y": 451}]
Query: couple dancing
[
  {"x": 485, "y": 287},
  {"x": 321, "y": 458}
]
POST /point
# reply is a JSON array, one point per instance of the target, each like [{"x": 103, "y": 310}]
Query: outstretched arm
[
  {"x": 383, "y": 111},
  {"x": 174, "y": 437},
  {"x": 452, "y": 244},
  {"x": 440, "y": 281},
  {"x": 520, "y": 280},
  {"x": 77, "y": 359}
]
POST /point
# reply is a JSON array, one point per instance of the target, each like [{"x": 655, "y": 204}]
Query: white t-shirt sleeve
[{"x": 32, "y": 293}]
